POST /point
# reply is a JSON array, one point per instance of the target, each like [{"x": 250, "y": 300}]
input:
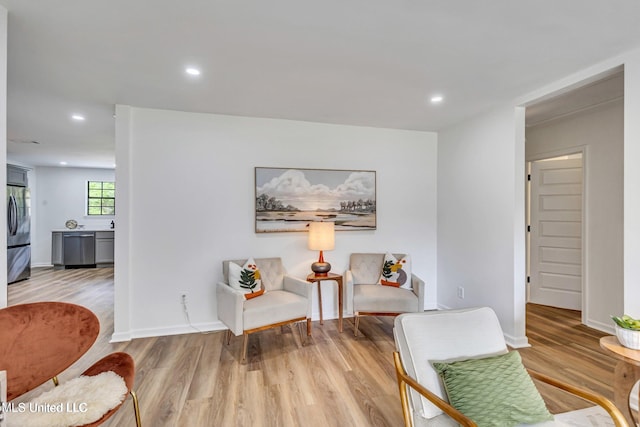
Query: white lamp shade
[{"x": 321, "y": 236}]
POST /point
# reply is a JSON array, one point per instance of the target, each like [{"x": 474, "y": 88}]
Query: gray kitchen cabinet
[
  {"x": 17, "y": 176},
  {"x": 82, "y": 248},
  {"x": 104, "y": 248},
  {"x": 56, "y": 249}
]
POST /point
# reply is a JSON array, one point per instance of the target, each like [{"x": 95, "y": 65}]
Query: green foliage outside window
[{"x": 101, "y": 198}]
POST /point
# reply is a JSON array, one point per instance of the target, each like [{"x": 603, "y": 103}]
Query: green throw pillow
[{"x": 494, "y": 391}]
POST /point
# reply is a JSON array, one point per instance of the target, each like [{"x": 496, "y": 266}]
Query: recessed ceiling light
[
  {"x": 63, "y": 163},
  {"x": 78, "y": 117},
  {"x": 436, "y": 99},
  {"x": 192, "y": 71}
]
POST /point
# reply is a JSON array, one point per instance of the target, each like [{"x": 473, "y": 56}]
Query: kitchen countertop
[{"x": 59, "y": 230}]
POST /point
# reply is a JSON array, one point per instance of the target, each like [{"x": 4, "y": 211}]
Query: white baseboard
[
  {"x": 120, "y": 337},
  {"x": 172, "y": 330},
  {"x": 517, "y": 342},
  {"x": 602, "y": 327},
  {"x": 40, "y": 264},
  {"x": 315, "y": 315}
]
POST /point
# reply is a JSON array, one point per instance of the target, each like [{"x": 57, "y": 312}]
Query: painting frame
[{"x": 287, "y": 199}]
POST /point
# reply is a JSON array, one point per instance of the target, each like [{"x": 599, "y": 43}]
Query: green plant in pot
[{"x": 628, "y": 331}]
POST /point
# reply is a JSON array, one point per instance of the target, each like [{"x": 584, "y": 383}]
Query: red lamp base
[{"x": 321, "y": 268}]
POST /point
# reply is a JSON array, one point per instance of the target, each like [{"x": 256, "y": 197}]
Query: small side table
[
  {"x": 627, "y": 372},
  {"x": 313, "y": 278}
]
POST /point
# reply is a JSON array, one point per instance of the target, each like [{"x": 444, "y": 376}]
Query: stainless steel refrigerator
[{"x": 18, "y": 233}]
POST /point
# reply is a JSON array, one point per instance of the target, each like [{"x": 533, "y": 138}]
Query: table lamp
[{"x": 321, "y": 238}]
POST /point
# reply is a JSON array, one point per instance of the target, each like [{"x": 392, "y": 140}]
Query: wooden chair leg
[
  {"x": 245, "y": 346},
  {"x": 302, "y": 337},
  {"x": 228, "y": 336},
  {"x": 356, "y": 323},
  {"x": 308, "y": 327},
  {"x": 136, "y": 408}
]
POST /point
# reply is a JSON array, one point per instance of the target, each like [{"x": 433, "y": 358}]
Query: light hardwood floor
[{"x": 331, "y": 379}]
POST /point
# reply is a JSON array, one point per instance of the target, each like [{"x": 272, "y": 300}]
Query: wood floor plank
[
  {"x": 196, "y": 412},
  {"x": 281, "y": 404},
  {"x": 564, "y": 348},
  {"x": 203, "y": 384},
  {"x": 328, "y": 379},
  {"x": 228, "y": 384}
]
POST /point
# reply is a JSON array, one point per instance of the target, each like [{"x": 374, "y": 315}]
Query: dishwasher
[{"x": 79, "y": 249}]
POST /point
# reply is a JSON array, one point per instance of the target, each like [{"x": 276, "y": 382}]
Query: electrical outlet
[{"x": 460, "y": 292}]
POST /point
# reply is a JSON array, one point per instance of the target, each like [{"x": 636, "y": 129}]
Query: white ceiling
[{"x": 360, "y": 62}]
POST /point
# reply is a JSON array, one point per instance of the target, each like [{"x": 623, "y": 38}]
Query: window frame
[{"x": 102, "y": 198}]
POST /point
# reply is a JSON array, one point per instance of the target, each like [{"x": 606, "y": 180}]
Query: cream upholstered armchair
[
  {"x": 286, "y": 300},
  {"x": 439, "y": 350},
  {"x": 365, "y": 296}
]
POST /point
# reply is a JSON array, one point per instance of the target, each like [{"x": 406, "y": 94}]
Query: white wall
[
  {"x": 632, "y": 184},
  {"x": 481, "y": 217},
  {"x": 190, "y": 197},
  {"x": 461, "y": 258},
  {"x": 59, "y": 194},
  {"x": 600, "y": 131}
]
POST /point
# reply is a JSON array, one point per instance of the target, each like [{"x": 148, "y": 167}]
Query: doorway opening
[
  {"x": 555, "y": 231},
  {"x": 587, "y": 118}
]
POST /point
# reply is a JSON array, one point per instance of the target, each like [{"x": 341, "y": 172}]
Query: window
[{"x": 101, "y": 198}]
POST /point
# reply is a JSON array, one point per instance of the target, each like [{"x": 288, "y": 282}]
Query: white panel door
[{"x": 556, "y": 233}]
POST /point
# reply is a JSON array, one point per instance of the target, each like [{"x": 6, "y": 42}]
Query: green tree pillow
[
  {"x": 246, "y": 279},
  {"x": 494, "y": 391}
]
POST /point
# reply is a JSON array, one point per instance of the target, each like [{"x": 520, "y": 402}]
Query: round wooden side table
[
  {"x": 627, "y": 373},
  {"x": 314, "y": 278}
]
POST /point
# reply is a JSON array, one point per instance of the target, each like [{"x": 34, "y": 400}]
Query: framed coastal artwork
[{"x": 289, "y": 199}]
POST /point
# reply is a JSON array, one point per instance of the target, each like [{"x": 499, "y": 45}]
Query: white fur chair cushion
[{"x": 76, "y": 402}]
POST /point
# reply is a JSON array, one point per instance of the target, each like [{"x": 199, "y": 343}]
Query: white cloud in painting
[
  {"x": 358, "y": 185},
  {"x": 293, "y": 188}
]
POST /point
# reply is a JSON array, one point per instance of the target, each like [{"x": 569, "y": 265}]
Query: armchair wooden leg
[
  {"x": 228, "y": 336},
  {"x": 303, "y": 339},
  {"x": 356, "y": 323},
  {"x": 245, "y": 346},
  {"x": 136, "y": 408}
]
